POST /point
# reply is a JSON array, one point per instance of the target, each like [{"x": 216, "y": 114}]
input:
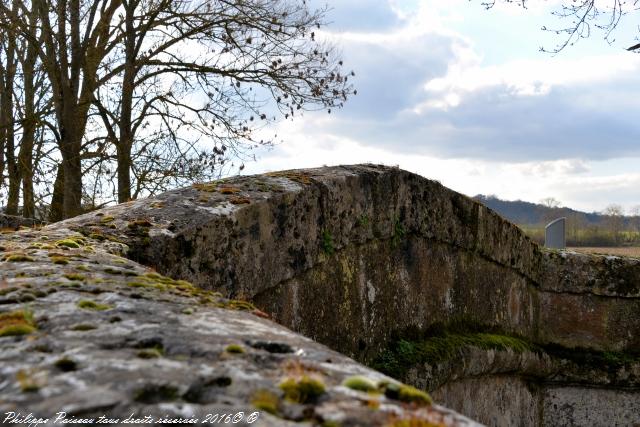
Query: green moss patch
[
  {"x": 327, "y": 243},
  {"x": 87, "y": 304},
  {"x": 143, "y": 223},
  {"x": 408, "y": 394},
  {"x": 265, "y": 400},
  {"x": 27, "y": 381},
  {"x": 398, "y": 232},
  {"x": 156, "y": 393},
  {"x": 360, "y": 383},
  {"x": 75, "y": 276},
  {"x": 150, "y": 353},
  {"x": 233, "y": 304},
  {"x": 97, "y": 236},
  {"x": 405, "y": 393},
  {"x": 446, "y": 343},
  {"x": 602, "y": 360},
  {"x": 234, "y": 348},
  {"x": 304, "y": 389},
  {"x": 72, "y": 242},
  {"x": 19, "y": 322},
  {"x": 17, "y": 257},
  {"x": 404, "y": 354},
  {"x": 60, "y": 260}
]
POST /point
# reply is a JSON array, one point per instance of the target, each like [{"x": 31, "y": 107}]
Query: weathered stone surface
[
  {"x": 87, "y": 332},
  {"x": 577, "y": 406},
  {"x": 380, "y": 289},
  {"x": 501, "y": 401},
  {"x": 507, "y": 387},
  {"x": 385, "y": 249},
  {"x": 513, "y": 401},
  {"x": 354, "y": 256},
  {"x": 601, "y": 275}
]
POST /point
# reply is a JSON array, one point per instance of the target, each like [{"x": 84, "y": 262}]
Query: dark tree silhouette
[{"x": 149, "y": 93}]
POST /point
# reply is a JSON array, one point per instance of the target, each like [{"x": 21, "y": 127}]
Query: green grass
[{"x": 589, "y": 236}]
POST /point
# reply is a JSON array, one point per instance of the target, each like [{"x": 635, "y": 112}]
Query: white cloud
[
  {"x": 524, "y": 127},
  {"x": 553, "y": 168},
  {"x": 524, "y": 77}
]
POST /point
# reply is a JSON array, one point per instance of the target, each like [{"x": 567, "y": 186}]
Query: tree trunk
[
  {"x": 25, "y": 156},
  {"x": 14, "y": 183},
  {"x": 25, "y": 163},
  {"x": 124, "y": 173},
  {"x": 3, "y": 129},
  {"x": 70, "y": 147},
  {"x": 8, "y": 124},
  {"x": 125, "y": 141},
  {"x": 28, "y": 200},
  {"x": 56, "y": 212}
]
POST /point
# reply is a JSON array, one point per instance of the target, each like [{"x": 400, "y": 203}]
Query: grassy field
[
  {"x": 591, "y": 237},
  {"x": 620, "y": 251}
]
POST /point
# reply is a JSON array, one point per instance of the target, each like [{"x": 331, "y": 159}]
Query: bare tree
[
  {"x": 579, "y": 19},
  {"x": 576, "y": 224},
  {"x": 635, "y": 212},
  {"x": 162, "y": 89},
  {"x": 550, "y": 213},
  {"x": 8, "y": 67},
  {"x": 206, "y": 70},
  {"x": 550, "y": 202},
  {"x": 614, "y": 221}
]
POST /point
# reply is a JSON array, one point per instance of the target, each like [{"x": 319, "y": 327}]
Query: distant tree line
[
  {"x": 108, "y": 100},
  {"x": 611, "y": 227}
]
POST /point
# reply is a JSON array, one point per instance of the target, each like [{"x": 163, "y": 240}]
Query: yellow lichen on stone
[
  {"x": 299, "y": 177},
  {"x": 209, "y": 187},
  {"x": 227, "y": 189},
  {"x": 18, "y": 322},
  {"x": 360, "y": 383},
  {"x": 73, "y": 243},
  {"x": 234, "y": 348},
  {"x": 87, "y": 304},
  {"x": 28, "y": 381},
  {"x": 17, "y": 257},
  {"x": 266, "y": 400},
  {"x": 302, "y": 389}
]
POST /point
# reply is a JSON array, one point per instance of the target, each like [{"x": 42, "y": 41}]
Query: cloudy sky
[{"x": 463, "y": 95}]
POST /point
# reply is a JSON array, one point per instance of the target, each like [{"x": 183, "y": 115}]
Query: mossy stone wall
[{"x": 354, "y": 256}]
